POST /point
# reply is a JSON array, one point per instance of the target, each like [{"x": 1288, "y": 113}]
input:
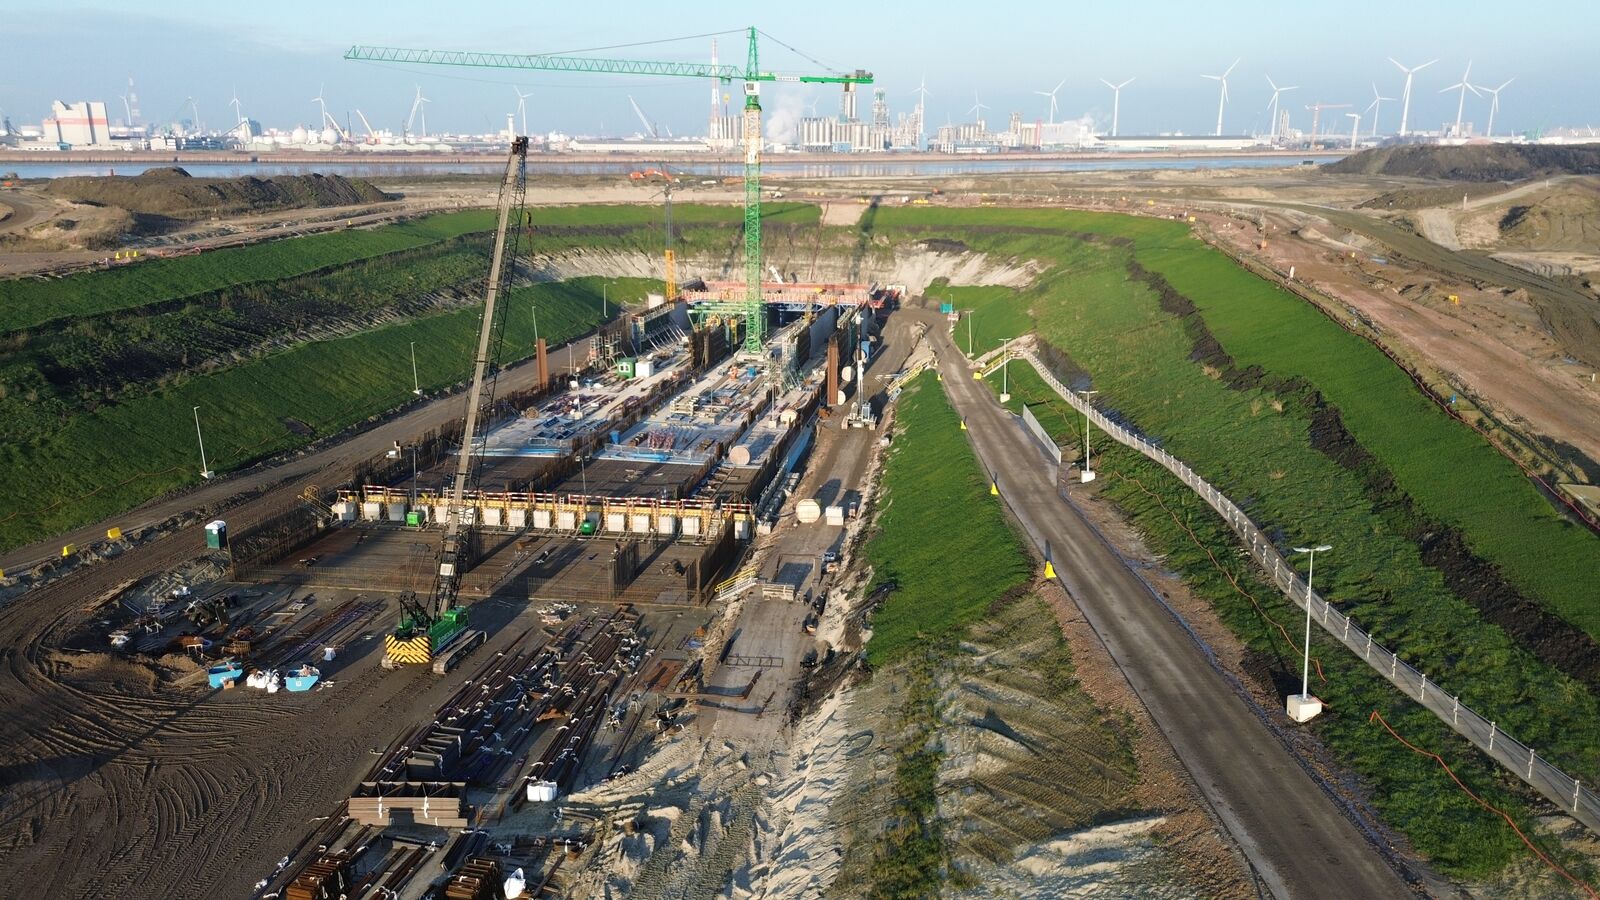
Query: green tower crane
[{"x": 750, "y": 307}]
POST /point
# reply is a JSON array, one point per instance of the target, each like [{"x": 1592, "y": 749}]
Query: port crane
[
  {"x": 1316, "y": 116},
  {"x": 436, "y": 631},
  {"x": 750, "y": 307}
]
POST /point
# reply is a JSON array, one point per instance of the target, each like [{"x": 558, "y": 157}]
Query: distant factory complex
[{"x": 86, "y": 125}]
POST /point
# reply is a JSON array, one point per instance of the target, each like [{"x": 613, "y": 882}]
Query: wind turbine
[
  {"x": 237, "y": 116},
  {"x": 1376, "y": 106},
  {"x": 522, "y": 106},
  {"x": 1355, "y": 127},
  {"x": 1494, "y": 103},
  {"x": 1405, "y": 95},
  {"x": 978, "y": 106},
  {"x": 1222, "y": 101},
  {"x": 1274, "y": 104},
  {"x": 416, "y": 107},
  {"x": 922, "y": 101},
  {"x": 1461, "y": 104},
  {"x": 1116, "y": 100},
  {"x": 1052, "y": 95}
]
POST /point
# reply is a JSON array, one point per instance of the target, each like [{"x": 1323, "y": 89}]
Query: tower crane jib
[{"x": 751, "y": 74}]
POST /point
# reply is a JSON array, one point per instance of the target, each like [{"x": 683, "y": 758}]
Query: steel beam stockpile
[{"x": 474, "y": 742}]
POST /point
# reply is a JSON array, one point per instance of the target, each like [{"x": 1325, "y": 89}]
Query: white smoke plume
[{"x": 783, "y": 119}]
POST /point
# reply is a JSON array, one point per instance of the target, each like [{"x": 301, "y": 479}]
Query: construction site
[
  {"x": 815, "y": 536},
  {"x": 558, "y": 570}
]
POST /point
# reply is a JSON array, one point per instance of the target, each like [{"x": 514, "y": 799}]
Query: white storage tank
[
  {"x": 739, "y": 455},
  {"x": 518, "y": 517},
  {"x": 808, "y": 511},
  {"x": 372, "y": 510},
  {"x": 492, "y": 516},
  {"x": 640, "y": 523},
  {"x": 667, "y": 524},
  {"x": 541, "y": 519},
  {"x": 397, "y": 512},
  {"x": 616, "y": 522}
]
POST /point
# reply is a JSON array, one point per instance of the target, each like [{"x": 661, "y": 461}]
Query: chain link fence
[{"x": 1557, "y": 786}]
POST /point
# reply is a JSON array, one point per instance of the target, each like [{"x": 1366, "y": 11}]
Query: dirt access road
[{"x": 1294, "y": 835}]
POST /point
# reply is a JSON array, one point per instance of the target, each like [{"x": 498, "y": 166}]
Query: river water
[{"x": 771, "y": 165}]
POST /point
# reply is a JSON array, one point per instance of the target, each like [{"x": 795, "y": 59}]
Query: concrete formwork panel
[
  {"x": 541, "y": 519},
  {"x": 666, "y": 524},
  {"x": 616, "y": 522},
  {"x": 518, "y": 518},
  {"x": 493, "y": 516},
  {"x": 640, "y": 524}
]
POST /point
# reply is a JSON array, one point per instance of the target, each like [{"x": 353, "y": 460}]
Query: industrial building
[{"x": 77, "y": 125}]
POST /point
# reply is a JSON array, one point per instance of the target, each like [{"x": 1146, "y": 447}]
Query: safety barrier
[{"x": 1557, "y": 786}]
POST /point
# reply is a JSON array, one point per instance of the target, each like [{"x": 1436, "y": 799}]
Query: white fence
[
  {"x": 1559, "y": 787},
  {"x": 1037, "y": 430}
]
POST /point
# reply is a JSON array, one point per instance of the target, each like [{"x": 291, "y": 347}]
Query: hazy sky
[{"x": 277, "y": 54}]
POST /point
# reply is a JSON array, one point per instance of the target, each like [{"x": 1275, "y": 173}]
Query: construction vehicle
[
  {"x": 750, "y": 308},
  {"x": 435, "y": 631}
]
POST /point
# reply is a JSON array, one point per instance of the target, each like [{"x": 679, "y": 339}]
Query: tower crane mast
[{"x": 751, "y": 306}]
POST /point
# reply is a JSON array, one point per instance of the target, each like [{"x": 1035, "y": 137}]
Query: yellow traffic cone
[
  {"x": 963, "y": 424},
  {"x": 1049, "y": 569},
  {"x": 994, "y": 488}
]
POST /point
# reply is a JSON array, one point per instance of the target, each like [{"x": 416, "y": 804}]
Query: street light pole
[
  {"x": 1005, "y": 372},
  {"x": 1088, "y": 471},
  {"x": 1303, "y": 707},
  {"x": 416, "y": 386},
  {"x": 205, "y": 471}
]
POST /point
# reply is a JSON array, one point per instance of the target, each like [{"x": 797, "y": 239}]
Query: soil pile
[
  {"x": 174, "y": 196},
  {"x": 1483, "y": 162},
  {"x": 1561, "y": 220}
]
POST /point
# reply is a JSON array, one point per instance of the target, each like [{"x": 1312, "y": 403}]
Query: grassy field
[
  {"x": 946, "y": 576},
  {"x": 991, "y": 314},
  {"x": 1253, "y": 440},
  {"x": 1439, "y": 463},
  {"x": 98, "y": 463},
  {"x": 30, "y": 302}
]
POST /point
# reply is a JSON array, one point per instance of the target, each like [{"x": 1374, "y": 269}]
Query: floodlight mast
[{"x": 751, "y": 307}]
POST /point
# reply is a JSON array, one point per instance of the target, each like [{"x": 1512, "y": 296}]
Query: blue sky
[{"x": 278, "y": 54}]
